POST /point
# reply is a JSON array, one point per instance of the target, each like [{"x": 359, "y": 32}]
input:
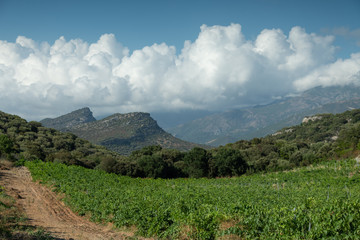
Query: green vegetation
[
  {"x": 21, "y": 140},
  {"x": 320, "y": 201},
  {"x": 121, "y": 133},
  {"x": 316, "y": 198},
  {"x": 258, "y": 121},
  {"x": 323, "y": 137}
]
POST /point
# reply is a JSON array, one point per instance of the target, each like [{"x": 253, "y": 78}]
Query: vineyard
[{"x": 316, "y": 202}]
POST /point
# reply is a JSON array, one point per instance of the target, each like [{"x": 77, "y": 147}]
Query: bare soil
[{"x": 43, "y": 209}]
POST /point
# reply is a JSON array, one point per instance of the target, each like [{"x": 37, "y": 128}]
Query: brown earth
[{"x": 43, "y": 209}]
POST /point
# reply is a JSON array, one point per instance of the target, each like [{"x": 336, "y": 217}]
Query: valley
[
  {"x": 300, "y": 182},
  {"x": 232, "y": 125}
]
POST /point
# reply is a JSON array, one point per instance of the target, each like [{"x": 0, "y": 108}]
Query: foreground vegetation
[{"x": 316, "y": 202}]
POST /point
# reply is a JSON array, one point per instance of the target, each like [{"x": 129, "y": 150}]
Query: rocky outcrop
[
  {"x": 311, "y": 118},
  {"x": 69, "y": 120},
  {"x": 122, "y": 133}
]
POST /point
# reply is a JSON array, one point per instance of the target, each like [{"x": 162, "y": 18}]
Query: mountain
[
  {"x": 317, "y": 138},
  {"x": 22, "y": 140},
  {"x": 69, "y": 120},
  {"x": 230, "y": 126},
  {"x": 122, "y": 133}
]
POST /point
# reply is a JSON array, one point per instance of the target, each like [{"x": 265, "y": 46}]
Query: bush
[
  {"x": 197, "y": 163},
  {"x": 227, "y": 162},
  {"x": 6, "y": 145}
]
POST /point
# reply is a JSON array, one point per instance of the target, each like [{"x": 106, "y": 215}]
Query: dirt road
[{"x": 43, "y": 209}]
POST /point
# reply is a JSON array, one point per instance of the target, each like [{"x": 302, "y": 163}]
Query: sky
[{"x": 165, "y": 56}]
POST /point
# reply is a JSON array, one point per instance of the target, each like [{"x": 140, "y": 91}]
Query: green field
[{"x": 315, "y": 202}]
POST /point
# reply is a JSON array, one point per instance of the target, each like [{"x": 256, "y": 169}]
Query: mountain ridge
[
  {"x": 80, "y": 116},
  {"x": 122, "y": 133},
  {"x": 233, "y": 125}
]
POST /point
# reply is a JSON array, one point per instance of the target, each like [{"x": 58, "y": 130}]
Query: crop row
[{"x": 308, "y": 203}]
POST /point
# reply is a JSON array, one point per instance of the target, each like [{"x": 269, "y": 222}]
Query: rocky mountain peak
[
  {"x": 70, "y": 120},
  {"x": 122, "y": 133}
]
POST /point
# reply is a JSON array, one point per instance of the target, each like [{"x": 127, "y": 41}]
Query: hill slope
[
  {"x": 20, "y": 139},
  {"x": 230, "y": 126},
  {"x": 69, "y": 120},
  {"x": 318, "y": 138},
  {"x": 122, "y": 133}
]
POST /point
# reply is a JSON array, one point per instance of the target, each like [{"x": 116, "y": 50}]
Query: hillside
[
  {"x": 324, "y": 137},
  {"x": 69, "y": 120},
  {"x": 122, "y": 133},
  {"x": 317, "y": 199},
  {"x": 230, "y": 126},
  {"x": 125, "y": 133},
  {"x": 22, "y": 140},
  {"x": 334, "y": 108},
  {"x": 317, "y": 138}
]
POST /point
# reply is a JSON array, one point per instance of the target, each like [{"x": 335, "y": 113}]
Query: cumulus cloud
[
  {"x": 220, "y": 69},
  {"x": 341, "y": 72}
]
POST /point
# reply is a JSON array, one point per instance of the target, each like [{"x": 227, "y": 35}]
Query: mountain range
[
  {"x": 246, "y": 123},
  {"x": 125, "y": 133},
  {"x": 122, "y": 133}
]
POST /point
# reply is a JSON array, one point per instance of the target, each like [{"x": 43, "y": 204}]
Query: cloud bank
[{"x": 221, "y": 69}]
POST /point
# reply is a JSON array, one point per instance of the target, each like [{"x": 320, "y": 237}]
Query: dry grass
[{"x": 5, "y": 164}]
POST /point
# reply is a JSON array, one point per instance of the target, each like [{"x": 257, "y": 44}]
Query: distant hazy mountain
[
  {"x": 122, "y": 133},
  {"x": 230, "y": 126}
]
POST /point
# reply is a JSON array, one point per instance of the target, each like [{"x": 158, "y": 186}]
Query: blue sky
[
  {"x": 139, "y": 23},
  {"x": 160, "y": 56}
]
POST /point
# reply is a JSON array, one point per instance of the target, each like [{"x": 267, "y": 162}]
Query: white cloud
[
  {"x": 341, "y": 72},
  {"x": 219, "y": 70}
]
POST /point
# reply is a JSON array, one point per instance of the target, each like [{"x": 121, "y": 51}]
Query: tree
[
  {"x": 228, "y": 162},
  {"x": 107, "y": 164},
  {"x": 196, "y": 163},
  {"x": 151, "y": 166},
  {"x": 6, "y": 145},
  {"x": 148, "y": 150}
]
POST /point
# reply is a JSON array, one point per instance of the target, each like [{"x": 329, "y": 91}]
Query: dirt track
[{"x": 43, "y": 209}]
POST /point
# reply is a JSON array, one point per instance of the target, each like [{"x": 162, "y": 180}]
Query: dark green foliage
[
  {"x": 197, "y": 163},
  {"x": 107, "y": 164},
  {"x": 320, "y": 138},
  {"x": 153, "y": 162},
  {"x": 6, "y": 145},
  {"x": 349, "y": 137},
  {"x": 151, "y": 166},
  {"x": 227, "y": 162},
  {"x": 29, "y": 140},
  {"x": 148, "y": 150}
]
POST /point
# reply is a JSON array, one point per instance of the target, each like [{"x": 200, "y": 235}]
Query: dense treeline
[{"x": 319, "y": 138}]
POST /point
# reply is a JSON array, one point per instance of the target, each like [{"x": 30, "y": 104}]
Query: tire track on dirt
[{"x": 44, "y": 209}]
